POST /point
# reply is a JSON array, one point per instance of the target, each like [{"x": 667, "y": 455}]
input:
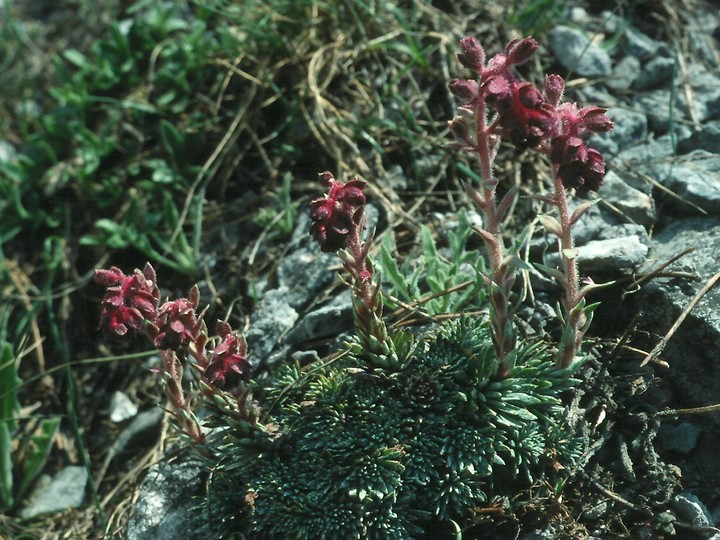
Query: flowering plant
[
  {"x": 497, "y": 105},
  {"x": 400, "y": 431}
]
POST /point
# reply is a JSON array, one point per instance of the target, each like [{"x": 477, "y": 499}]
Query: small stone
[
  {"x": 694, "y": 180},
  {"x": 270, "y": 322},
  {"x": 577, "y": 53},
  {"x": 612, "y": 255},
  {"x": 690, "y": 509},
  {"x": 167, "y": 498},
  {"x": 121, "y": 408},
  {"x": 65, "y": 490},
  {"x": 632, "y": 203},
  {"x": 7, "y": 152},
  {"x": 706, "y": 138},
  {"x": 656, "y": 72},
  {"x": 324, "y": 322},
  {"x": 595, "y": 511},
  {"x": 640, "y": 45},
  {"x": 624, "y": 74},
  {"x": 681, "y": 438}
]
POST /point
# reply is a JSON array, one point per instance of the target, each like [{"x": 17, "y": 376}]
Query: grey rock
[
  {"x": 640, "y": 45},
  {"x": 655, "y": 73},
  {"x": 624, "y": 230},
  {"x": 638, "y": 164},
  {"x": 624, "y": 74},
  {"x": 658, "y": 105},
  {"x": 305, "y": 272},
  {"x": 681, "y": 438},
  {"x": 666, "y": 106},
  {"x": 588, "y": 226},
  {"x": 579, "y": 15},
  {"x": 612, "y": 22},
  {"x": 706, "y": 138},
  {"x": 694, "y": 179},
  {"x": 596, "y": 511},
  {"x": 269, "y": 323},
  {"x": 121, "y": 408},
  {"x": 612, "y": 255},
  {"x": 164, "y": 510},
  {"x": 144, "y": 426},
  {"x": 577, "y": 53},
  {"x": 632, "y": 203},
  {"x": 630, "y": 127},
  {"x": 323, "y": 322},
  {"x": 694, "y": 348},
  {"x": 65, "y": 490},
  {"x": 690, "y": 509},
  {"x": 706, "y": 92}
]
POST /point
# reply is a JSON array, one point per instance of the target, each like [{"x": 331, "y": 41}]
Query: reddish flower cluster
[
  {"x": 578, "y": 165},
  {"x": 335, "y": 216},
  {"x": 129, "y": 300},
  {"x": 177, "y": 323},
  {"x": 131, "y": 305},
  {"x": 229, "y": 365},
  {"x": 528, "y": 118}
]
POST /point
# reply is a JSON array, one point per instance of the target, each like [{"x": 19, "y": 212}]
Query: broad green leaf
[
  {"x": 6, "y": 466},
  {"x": 37, "y": 452},
  {"x": 9, "y": 383}
]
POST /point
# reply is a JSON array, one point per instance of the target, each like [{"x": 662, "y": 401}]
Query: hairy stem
[
  {"x": 502, "y": 276},
  {"x": 574, "y": 315}
]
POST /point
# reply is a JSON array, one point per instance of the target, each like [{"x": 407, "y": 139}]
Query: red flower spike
[
  {"x": 336, "y": 215},
  {"x": 177, "y": 323},
  {"x": 229, "y": 366},
  {"x": 130, "y": 301}
]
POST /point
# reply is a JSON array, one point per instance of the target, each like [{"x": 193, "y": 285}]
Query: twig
[
  {"x": 692, "y": 410},
  {"x": 615, "y": 497},
  {"x": 663, "y": 342}
]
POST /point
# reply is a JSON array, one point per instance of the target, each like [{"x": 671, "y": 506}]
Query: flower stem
[
  {"x": 572, "y": 309},
  {"x": 502, "y": 276}
]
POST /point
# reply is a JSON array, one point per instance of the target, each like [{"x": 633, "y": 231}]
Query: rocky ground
[{"x": 652, "y": 471}]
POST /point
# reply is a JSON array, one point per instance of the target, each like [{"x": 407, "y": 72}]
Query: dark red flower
[
  {"x": 229, "y": 365},
  {"x": 130, "y": 301},
  {"x": 579, "y": 166},
  {"x": 525, "y": 118},
  {"x": 338, "y": 213},
  {"x": 177, "y": 323}
]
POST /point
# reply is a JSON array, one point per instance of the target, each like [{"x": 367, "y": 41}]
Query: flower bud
[
  {"x": 473, "y": 55},
  {"x": 594, "y": 119},
  {"x": 465, "y": 90},
  {"x": 519, "y": 51},
  {"x": 459, "y": 128},
  {"x": 554, "y": 89}
]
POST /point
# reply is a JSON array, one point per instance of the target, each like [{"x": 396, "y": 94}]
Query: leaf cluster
[
  {"x": 350, "y": 452},
  {"x": 429, "y": 279}
]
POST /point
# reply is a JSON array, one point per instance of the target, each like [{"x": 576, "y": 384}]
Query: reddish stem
[
  {"x": 574, "y": 318},
  {"x": 501, "y": 275}
]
